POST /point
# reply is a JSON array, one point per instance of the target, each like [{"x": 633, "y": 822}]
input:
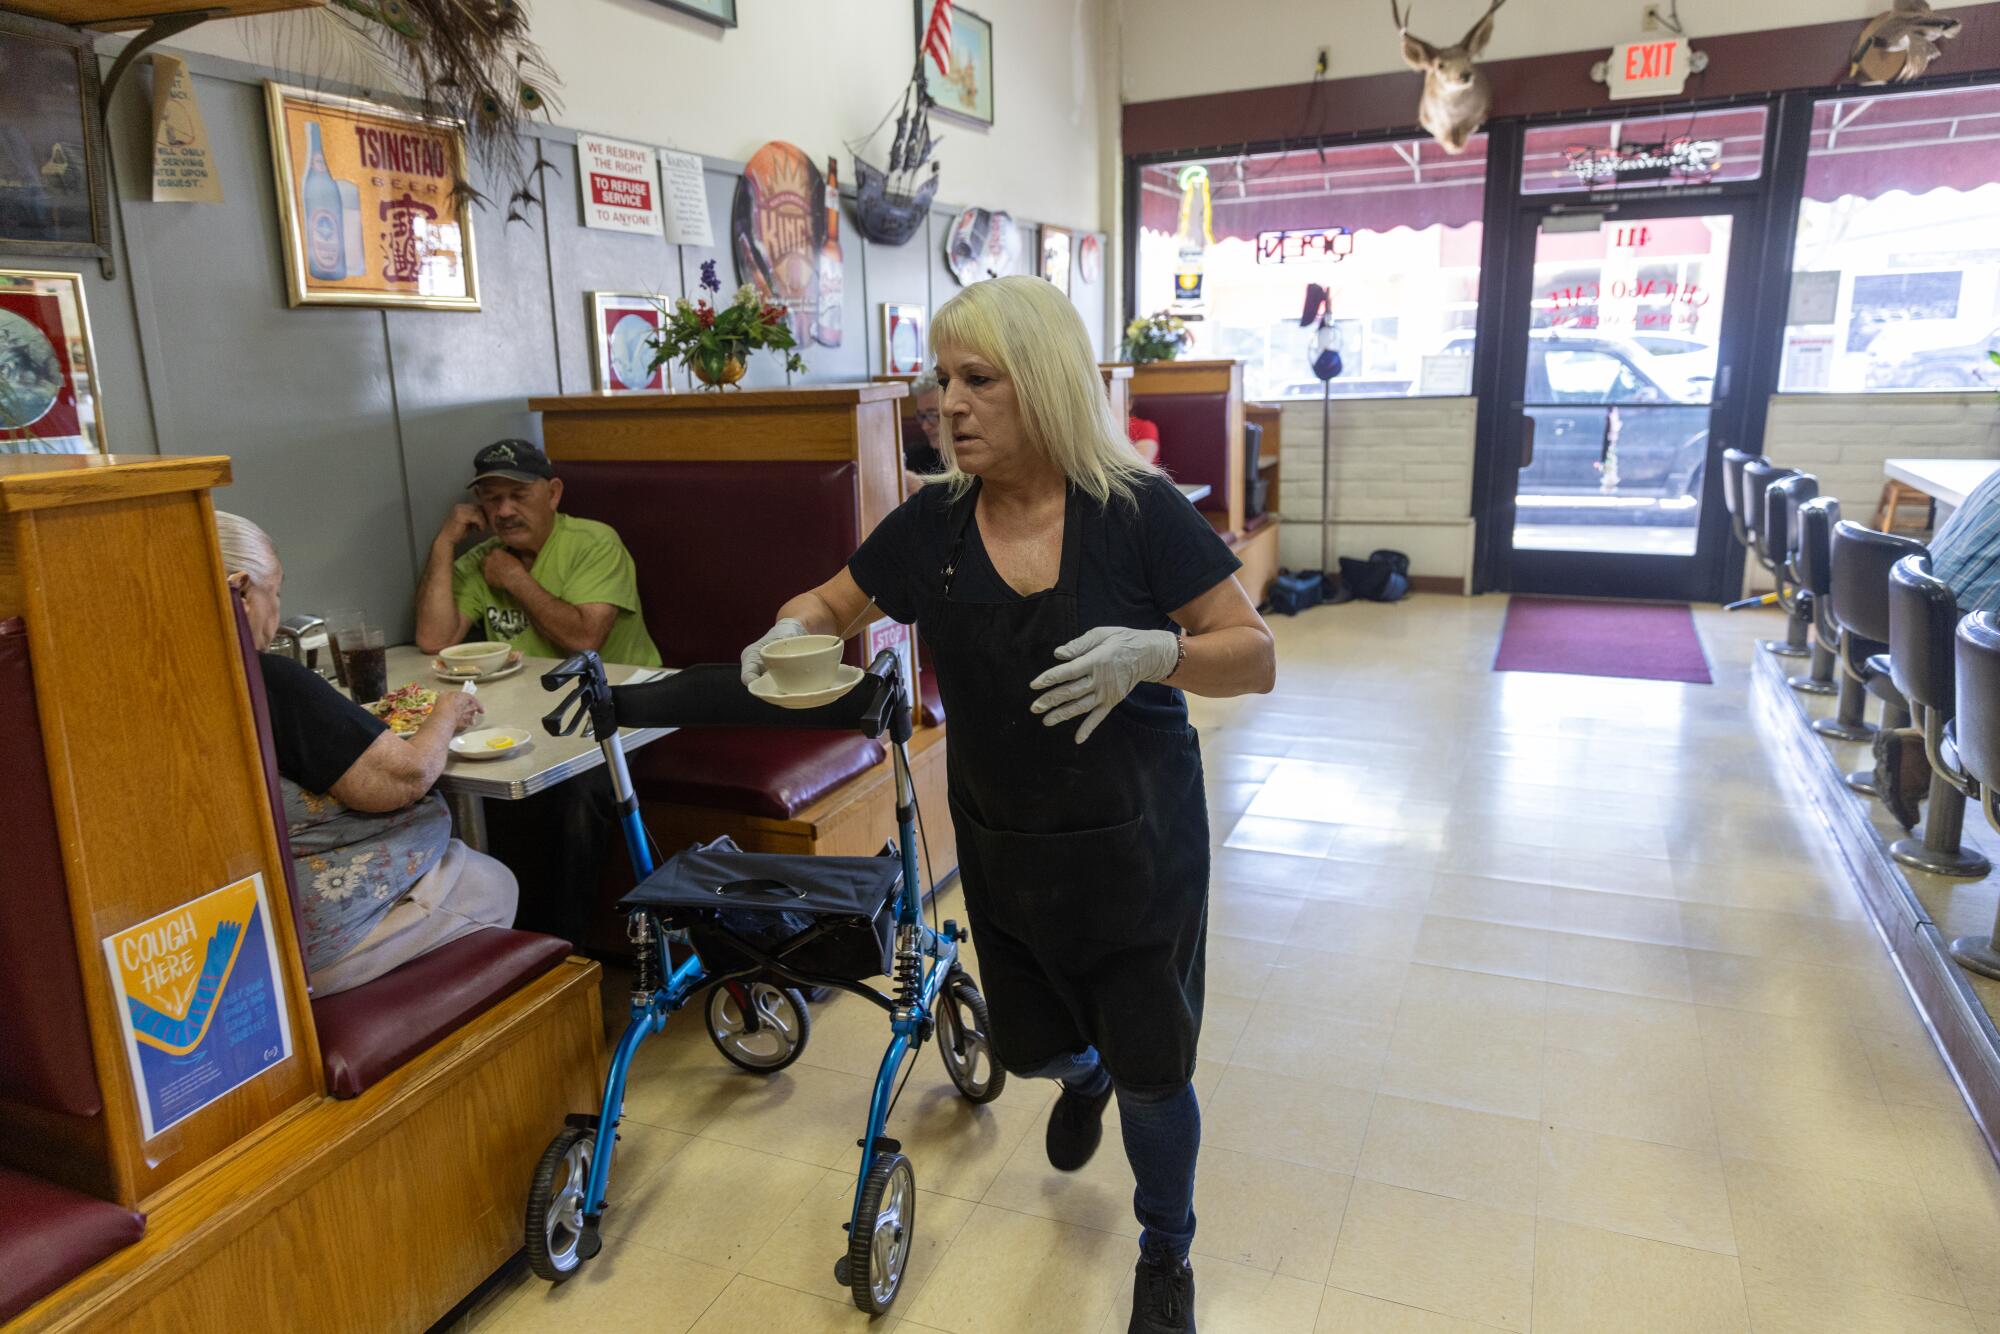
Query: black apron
[{"x": 1085, "y": 866}]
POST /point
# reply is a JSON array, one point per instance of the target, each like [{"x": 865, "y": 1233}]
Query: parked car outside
[{"x": 1913, "y": 357}]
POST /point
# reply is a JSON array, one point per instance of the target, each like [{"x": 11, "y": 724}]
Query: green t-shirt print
[{"x": 582, "y": 562}]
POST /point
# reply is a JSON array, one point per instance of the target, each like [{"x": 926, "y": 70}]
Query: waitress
[{"x": 1067, "y": 594}]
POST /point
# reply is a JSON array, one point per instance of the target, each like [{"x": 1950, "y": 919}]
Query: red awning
[{"x": 1914, "y": 142}]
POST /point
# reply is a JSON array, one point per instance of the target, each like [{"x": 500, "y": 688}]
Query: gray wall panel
[
  {"x": 582, "y": 260},
  {"x": 894, "y": 273},
  {"x": 300, "y": 399}
]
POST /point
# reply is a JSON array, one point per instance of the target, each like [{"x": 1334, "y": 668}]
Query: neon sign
[
  {"x": 1684, "y": 158},
  {"x": 1327, "y": 244}
]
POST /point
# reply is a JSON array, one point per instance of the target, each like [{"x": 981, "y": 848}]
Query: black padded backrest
[
  {"x": 1782, "y": 500},
  {"x": 1758, "y": 474},
  {"x": 1977, "y": 726},
  {"x": 1862, "y": 558},
  {"x": 1733, "y": 460},
  {"x": 1749, "y": 509},
  {"x": 1814, "y": 544},
  {"x": 1923, "y": 616}
]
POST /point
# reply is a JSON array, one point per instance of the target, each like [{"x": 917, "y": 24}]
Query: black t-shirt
[
  {"x": 1138, "y": 563},
  {"x": 317, "y": 732}
]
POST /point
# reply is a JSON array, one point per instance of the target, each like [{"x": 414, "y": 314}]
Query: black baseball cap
[{"x": 516, "y": 460}]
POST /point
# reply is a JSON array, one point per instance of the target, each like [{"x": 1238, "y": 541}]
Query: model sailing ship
[{"x": 891, "y": 203}]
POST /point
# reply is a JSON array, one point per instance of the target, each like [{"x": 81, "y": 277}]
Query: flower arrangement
[
  {"x": 714, "y": 343},
  {"x": 1161, "y": 336}
]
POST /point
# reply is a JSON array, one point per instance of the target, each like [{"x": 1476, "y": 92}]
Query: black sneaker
[
  {"x": 1076, "y": 1124},
  {"x": 1162, "y": 1297}
]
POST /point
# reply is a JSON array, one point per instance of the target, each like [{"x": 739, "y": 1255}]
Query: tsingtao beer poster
[
  {"x": 201, "y": 1001},
  {"x": 365, "y": 202}
]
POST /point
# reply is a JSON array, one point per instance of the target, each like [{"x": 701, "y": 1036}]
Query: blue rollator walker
[{"x": 756, "y": 928}]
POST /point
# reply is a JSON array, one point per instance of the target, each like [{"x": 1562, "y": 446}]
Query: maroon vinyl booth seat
[
  {"x": 48, "y": 1233},
  {"x": 1194, "y": 441},
  {"x": 719, "y": 548},
  {"x": 366, "y": 1033}
]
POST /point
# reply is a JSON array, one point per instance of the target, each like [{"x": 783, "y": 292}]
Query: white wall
[
  {"x": 815, "y": 72},
  {"x": 1177, "y": 48},
  {"x": 1402, "y": 478},
  {"x": 1843, "y": 439}
]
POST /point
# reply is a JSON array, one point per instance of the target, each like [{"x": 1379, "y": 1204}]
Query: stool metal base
[
  {"x": 1964, "y": 862},
  {"x": 1784, "y": 650},
  {"x": 1862, "y": 781},
  {"x": 1840, "y": 731},
  {"x": 1977, "y": 953},
  {"x": 1807, "y": 685}
]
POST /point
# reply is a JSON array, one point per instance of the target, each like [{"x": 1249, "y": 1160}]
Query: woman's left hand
[{"x": 1098, "y": 669}]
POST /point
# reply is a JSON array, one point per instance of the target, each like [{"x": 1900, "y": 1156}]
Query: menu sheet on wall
[
  {"x": 201, "y": 1001},
  {"x": 620, "y": 185},
  {"x": 686, "y": 200}
]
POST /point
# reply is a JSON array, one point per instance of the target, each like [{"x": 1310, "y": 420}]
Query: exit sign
[{"x": 1650, "y": 69}]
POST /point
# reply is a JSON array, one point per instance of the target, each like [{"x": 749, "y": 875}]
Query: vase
[{"x": 720, "y": 370}]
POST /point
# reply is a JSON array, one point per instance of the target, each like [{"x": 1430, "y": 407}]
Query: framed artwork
[
  {"x": 48, "y": 366},
  {"x": 54, "y": 195},
  {"x": 1089, "y": 259},
  {"x": 965, "y": 92},
  {"x": 902, "y": 339},
  {"x": 366, "y": 206},
  {"x": 1057, "y": 243},
  {"x": 621, "y": 325},
  {"x": 722, "y": 13}
]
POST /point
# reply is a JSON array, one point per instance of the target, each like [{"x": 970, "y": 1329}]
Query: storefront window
[
  {"x": 1391, "y": 231},
  {"x": 1896, "y": 272}
]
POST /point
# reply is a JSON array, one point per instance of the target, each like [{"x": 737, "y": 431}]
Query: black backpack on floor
[{"x": 1383, "y": 577}]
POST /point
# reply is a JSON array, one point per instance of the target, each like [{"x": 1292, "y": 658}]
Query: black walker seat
[{"x": 822, "y": 920}]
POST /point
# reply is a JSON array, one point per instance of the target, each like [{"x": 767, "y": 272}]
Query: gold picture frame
[
  {"x": 389, "y": 231},
  {"x": 49, "y": 397}
]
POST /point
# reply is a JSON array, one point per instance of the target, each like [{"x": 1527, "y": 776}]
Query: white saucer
[
  {"x": 514, "y": 664},
  {"x": 474, "y": 745},
  {"x": 845, "y": 678}
]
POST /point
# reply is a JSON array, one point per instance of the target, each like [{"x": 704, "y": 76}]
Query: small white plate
[
  {"x": 845, "y": 678},
  {"x": 478, "y": 743},
  {"x": 514, "y": 664}
]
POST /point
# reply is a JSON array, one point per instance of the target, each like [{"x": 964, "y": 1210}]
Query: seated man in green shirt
[{"x": 546, "y": 583}]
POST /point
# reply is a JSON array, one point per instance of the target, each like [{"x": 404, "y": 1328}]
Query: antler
[
  {"x": 1473, "y": 31},
  {"x": 1402, "y": 21}
]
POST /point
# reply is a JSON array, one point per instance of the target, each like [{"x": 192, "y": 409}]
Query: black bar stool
[
  {"x": 1783, "y": 501},
  {"x": 1861, "y": 562},
  {"x": 1758, "y": 476},
  {"x": 1923, "y": 618},
  {"x": 1812, "y": 561},
  {"x": 1975, "y": 736},
  {"x": 1733, "y": 460}
]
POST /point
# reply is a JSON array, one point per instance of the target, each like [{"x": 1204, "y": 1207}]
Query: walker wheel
[
  {"x": 758, "y": 1026},
  {"x": 885, "y": 1227},
  {"x": 555, "y": 1204},
  {"x": 962, "y": 1029}
]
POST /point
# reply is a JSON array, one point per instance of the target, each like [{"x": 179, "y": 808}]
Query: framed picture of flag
[{"x": 958, "y": 60}]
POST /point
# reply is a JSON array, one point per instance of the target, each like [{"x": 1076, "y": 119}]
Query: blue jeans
[{"x": 1162, "y": 1140}]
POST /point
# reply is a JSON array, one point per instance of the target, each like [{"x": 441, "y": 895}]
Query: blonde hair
[
  {"x": 1035, "y": 337},
  {"x": 246, "y": 548}
]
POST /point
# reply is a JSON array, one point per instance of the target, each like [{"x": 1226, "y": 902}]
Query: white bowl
[
  {"x": 803, "y": 663},
  {"x": 492, "y": 743},
  {"x": 477, "y": 657}
]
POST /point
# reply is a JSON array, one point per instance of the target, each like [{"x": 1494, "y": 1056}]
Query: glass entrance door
[{"x": 1619, "y": 369}]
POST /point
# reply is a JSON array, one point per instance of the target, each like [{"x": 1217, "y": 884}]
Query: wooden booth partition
[
  {"x": 1118, "y": 384},
  {"x": 155, "y": 770},
  {"x": 854, "y": 425}
]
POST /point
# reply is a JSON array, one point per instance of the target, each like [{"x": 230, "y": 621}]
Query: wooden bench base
[
  {"x": 379, "y": 1213},
  {"x": 854, "y": 820}
]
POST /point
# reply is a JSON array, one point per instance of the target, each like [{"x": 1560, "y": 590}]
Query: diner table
[
  {"x": 1946, "y": 481},
  {"x": 517, "y": 700}
]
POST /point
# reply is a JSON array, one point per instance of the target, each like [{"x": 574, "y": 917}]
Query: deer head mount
[
  {"x": 1899, "y": 45},
  {"x": 1456, "y": 97}
]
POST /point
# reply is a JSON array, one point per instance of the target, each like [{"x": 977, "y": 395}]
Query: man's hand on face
[
  {"x": 461, "y": 523},
  {"x": 504, "y": 570}
]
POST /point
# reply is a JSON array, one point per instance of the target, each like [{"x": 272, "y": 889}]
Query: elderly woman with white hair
[
  {"x": 380, "y": 878},
  {"x": 1067, "y": 595}
]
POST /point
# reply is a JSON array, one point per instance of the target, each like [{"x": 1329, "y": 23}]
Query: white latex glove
[
  {"x": 1098, "y": 669},
  {"x": 753, "y": 657}
]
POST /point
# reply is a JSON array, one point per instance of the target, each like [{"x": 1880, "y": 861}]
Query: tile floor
[{"x": 1536, "y": 1003}]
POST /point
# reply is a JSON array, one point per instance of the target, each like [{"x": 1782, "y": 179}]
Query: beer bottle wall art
[
  {"x": 326, "y": 231},
  {"x": 830, "y": 282}
]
